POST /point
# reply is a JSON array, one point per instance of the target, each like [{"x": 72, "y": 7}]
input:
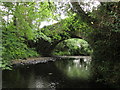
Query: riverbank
[
  {"x": 43, "y": 59},
  {"x": 33, "y": 60}
]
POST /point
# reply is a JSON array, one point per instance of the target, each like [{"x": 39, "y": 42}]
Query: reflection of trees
[
  {"x": 15, "y": 79},
  {"x": 77, "y": 68},
  {"x": 24, "y": 78}
]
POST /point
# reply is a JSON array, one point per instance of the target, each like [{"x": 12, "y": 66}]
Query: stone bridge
[{"x": 45, "y": 47}]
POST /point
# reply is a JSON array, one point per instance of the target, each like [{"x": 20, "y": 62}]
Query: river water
[{"x": 61, "y": 73}]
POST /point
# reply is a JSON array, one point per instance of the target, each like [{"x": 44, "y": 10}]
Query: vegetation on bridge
[{"x": 49, "y": 36}]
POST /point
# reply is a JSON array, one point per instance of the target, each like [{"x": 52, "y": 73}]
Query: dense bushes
[
  {"x": 105, "y": 39},
  {"x": 14, "y": 46}
]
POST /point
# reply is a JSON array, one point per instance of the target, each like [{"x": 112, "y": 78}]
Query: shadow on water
[{"x": 62, "y": 73}]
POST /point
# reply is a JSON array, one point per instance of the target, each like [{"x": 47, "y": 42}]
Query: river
[{"x": 61, "y": 73}]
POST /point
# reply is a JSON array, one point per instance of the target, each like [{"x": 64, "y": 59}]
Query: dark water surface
[{"x": 62, "y": 73}]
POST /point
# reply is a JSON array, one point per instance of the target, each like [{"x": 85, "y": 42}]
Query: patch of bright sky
[
  {"x": 6, "y": 18},
  {"x": 52, "y": 21},
  {"x": 89, "y": 5}
]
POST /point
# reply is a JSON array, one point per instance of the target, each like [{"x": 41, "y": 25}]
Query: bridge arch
[
  {"x": 72, "y": 46},
  {"x": 46, "y": 48}
]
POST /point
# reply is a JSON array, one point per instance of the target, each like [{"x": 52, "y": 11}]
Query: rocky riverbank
[
  {"x": 33, "y": 60},
  {"x": 43, "y": 59}
]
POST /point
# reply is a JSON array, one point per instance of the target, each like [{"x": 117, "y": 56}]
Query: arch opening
[{"x": 73, "y": 46}]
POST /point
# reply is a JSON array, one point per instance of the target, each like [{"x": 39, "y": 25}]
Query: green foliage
[
  {"x": 59, "y": 30},
  {"x": 25, "y": 19},
  {"x": 73, "y": 47},
  {"x": 14, "y": 47},
  {"x": 105, "y": 36},
  {"x": 66, "y": 28}
]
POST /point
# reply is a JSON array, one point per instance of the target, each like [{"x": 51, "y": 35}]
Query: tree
[
  {"x": 19, "y": 24},
  {"x": 105, "y": 36}
]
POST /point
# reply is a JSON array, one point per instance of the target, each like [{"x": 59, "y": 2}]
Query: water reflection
[
  {"x": 77, "y": 68},
  {"x": 64, "y": 73},
  {"x": 36, "y": 76}
]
